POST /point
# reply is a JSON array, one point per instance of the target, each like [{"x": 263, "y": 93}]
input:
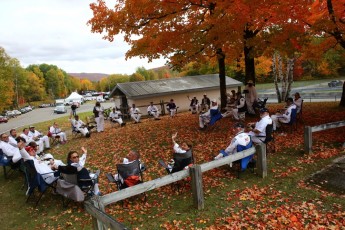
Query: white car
[
  {"x": 60, "y": 109},
  {"x": 100, "y": 99},
  {"x": 17, "y": 112}
]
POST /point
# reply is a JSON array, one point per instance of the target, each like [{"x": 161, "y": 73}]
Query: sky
[{"x": 55, "y": 32}]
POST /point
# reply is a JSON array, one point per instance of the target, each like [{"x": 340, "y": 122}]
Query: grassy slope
[{"x": 225, "y": 196}]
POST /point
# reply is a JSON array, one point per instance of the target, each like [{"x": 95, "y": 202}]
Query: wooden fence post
[
  {"x": 162, "y": 107},
  {"x": 197, "y": 189},
  {"x": 308, "y": 141},
  {"x": 261, "y": 160}
]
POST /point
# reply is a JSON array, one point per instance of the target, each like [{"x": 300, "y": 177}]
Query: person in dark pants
[{"x": 74, "y": 109}]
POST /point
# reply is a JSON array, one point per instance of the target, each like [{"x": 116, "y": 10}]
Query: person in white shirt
[
  {"x": 258, "y": 130},
  {"x": 152, "y": 110},
  {"x": 251, "y": 96},
  {"x": 34, "y": 134},
  {"x": 135, "y": 114},
  {"x": 182, "y": 157},
  {"x": 56, "y": 131},
  {"x": 115, "y": 116},
  {"x": 29, "y": 139},
  {"x": 79, "y": 125},
  {"x": 211, "y": 116},
  {"x": 8, "y": 149},
  {"x": 12, "y": 137},
  {"x": 286, "y": 116},
  {"x": 241, "y": 140}
]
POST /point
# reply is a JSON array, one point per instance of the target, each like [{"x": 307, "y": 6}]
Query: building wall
[{"x": 180, "y": 99}]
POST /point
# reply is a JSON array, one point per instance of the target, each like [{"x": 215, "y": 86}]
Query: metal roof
[{"x": 172, "y": 85}]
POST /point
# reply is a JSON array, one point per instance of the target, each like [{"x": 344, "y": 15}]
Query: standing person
[
  {"x": 251, "y": 96},
  {"x": 135, "y": 114},
  {"x": 171, "y": 107},
  {"x": 152, "y": 110},
  {"x": 194, "y": 104},
  {"x": 74, "y": 109},
  {"x": 205, "y": 103},
  {"x": 56, "y": 131},
  {"x": 99, "y": 116},
  {"x": 115, "y": 116},
  {"x": 258, "y": 130}
]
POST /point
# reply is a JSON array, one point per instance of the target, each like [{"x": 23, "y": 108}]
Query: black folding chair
[
  {"x": 292, "y": 124},
  {"x": 269, "y": 138},
  {"x": 35, "y": 181}
]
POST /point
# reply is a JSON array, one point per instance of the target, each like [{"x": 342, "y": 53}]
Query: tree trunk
[
  {"x": 281, "y": 77},
  {"x": 249, "y": 56},
  {"x": 291, "y": 64},
  {"x": 275, "y": 77},
  {"x": 342, "y": 101},
  {"x": 222, "y": 82}
]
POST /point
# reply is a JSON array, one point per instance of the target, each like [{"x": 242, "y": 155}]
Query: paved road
[{"x": 44, "y": 114}]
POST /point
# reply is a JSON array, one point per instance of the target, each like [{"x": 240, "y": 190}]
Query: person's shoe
[{"x": 171, "y": 162}]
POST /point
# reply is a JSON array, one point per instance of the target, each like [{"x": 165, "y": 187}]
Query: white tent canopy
[{"x": 74, "y": 96}]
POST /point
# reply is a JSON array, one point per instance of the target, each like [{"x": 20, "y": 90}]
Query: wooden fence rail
[
  {"x": 196, "y": 174},
  {"x": 308, "y": 133}
]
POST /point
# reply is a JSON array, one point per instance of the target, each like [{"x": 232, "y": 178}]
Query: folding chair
[
  {"x": 53, "y": 139},
  {"x": 76, "y": 132},
  {"x": 86, "y": 185},
  {"x": 292, "y": 122},
  {"x": 247, "y": 162},
  {"x": 6, "y": 161},
  {"x": 35, "y": 180},
  {"x": 269, "y": 138}
]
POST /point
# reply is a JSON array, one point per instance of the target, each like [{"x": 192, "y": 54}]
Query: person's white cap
[{"x": 214, "y": 100}]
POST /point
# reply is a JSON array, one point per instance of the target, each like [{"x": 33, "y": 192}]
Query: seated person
[
  {"x": 132, "y": 155},
  {"x": 240, "y": 107},
  {"x": 56, "y": 131},
  {"x": 258, "y": 130},
  {"x": 46, "y": 157},
  {"x": 240, "y": 142},
  {"x": 205, "y": 104},
  {"x": 80, "y": 126},
  {"x": 29, "y": 139},
  {"x": 115, "y": 116},
  {"x": 152, "y": 110},
  {"x": 12, "y": 137},
  {"x": 75, "y": 165},
  {"x": 46, "y": 170},
  {"x": 182, "y": 156},
  {"x": 171, "y": 107},
  {"x": 194, "y": 104},
  {"x": 284, "y": 117},
  {"x": 211, "y": 116},
  {"x": 135, "y": 114},
  {"x": 35, "y": 135},
  {"x": 298, "y": 101},
  {"x": 10, "y": 151}
]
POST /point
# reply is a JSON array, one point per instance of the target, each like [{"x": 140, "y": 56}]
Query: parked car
[
  {"x": 44, "y": 105},
  {"x": 335, "y": 83},
  {"x": 23, "y": 110},
  {"x": 10, "y": 114},
  {"x": 17, "y": 112},
  {"x": 3, "y": 119},
  {"x": 60, "y": 109}
]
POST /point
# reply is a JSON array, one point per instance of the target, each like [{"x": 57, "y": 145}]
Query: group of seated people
[{"x": 195, "y": 107}]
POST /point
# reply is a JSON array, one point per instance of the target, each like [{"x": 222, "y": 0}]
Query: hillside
[{"x": 90, "y": 76}]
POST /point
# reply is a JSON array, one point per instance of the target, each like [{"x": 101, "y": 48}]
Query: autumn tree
[
  {"x": 328, "y": 20},
  {"x": 136, "y": 77},
  {"x": 187, "y": 30}
]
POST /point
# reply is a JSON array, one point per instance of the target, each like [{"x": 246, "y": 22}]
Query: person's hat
[
  {"x": 214, "y": 100},
  {"x": 47, "y": 156},
  {"x": 239, "y": 125},
  {"x": 31, "y": 126},
  {"x": 263, "y": 110},
  {"x": 29, "y": 148},
  {"x": 250, "y": 82},
  {"x": 205, "y": 94}
]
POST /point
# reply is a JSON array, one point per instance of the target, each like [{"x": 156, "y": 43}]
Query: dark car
[
  {"x": 3, "y": 119},
  {"x": 335, "y": 83}
]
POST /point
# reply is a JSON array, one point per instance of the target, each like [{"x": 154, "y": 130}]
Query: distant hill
[{"x": 90, "y": 76}]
